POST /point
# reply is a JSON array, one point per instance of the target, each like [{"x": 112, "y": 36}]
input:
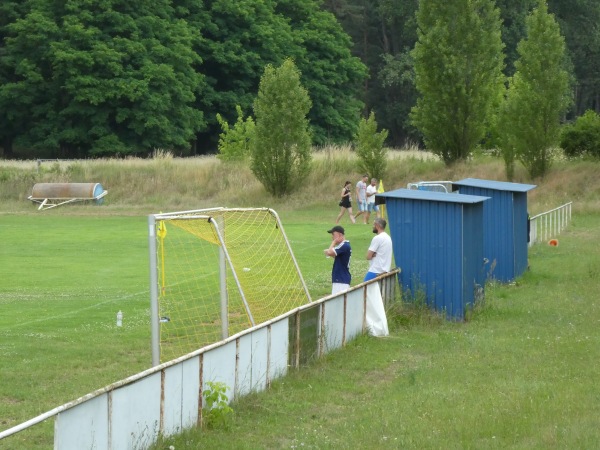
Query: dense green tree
[
  {"x": 513, "y": 14},
  {"x": 242, "y": 37},
  {"x": 332, "y": 76},
  {"x": 384, "y": 32},
  {"x": 537, "y": 96},
  {"x": 129, "y": 70},
  {"x": 80, "y": 78},
  {"x": 458, "y": 67},
  {"x": 397, "y": 79},
  {"x": 394, "y": 93},
  {"x": 578, "y": 20},
  {"x": 58, "y": 59},
  {"x": 239, "y": 38},
  {"x": 111, "y": 79},
  {"x": 281, "y": 152},
  {"x": 372, "y": 155},
  {"x": 10, "y": 124},
  {"x": 27, "y": 96}
]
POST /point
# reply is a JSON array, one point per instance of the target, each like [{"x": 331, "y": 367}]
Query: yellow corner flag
[
  {"x": 381, "y": 190},
  {"x": 162, "y": 229}
]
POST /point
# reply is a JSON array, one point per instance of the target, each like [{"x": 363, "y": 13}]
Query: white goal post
[{"x": 215, "y": 272}]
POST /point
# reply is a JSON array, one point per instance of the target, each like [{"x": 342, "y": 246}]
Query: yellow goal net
[{"x": 216, "y": 272}]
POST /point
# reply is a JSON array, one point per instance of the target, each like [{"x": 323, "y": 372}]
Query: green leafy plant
[
  {"x": 369, "y": 147},
  {"x": 537, "y": 96},
  {"x": 217, "y": 413},
  {"x": 582, "y": 137},
  {"x": 235, "y": 142},
  {"x": 458, "y": 64},
  {"x": 281, "y": 153}
]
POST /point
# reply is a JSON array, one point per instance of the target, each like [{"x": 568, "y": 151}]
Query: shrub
[
  {"x": 235, "y": 142},
  {"x": 369, "y": 147},
  {"x": 582, "y": 137}
]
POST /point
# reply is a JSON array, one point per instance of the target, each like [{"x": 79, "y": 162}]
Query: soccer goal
[{"x": 215, "y": 272}]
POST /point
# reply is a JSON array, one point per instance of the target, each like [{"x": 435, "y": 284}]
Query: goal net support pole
[
  {"x": 154, "y": 319},
  {"x": 223, "y": 282}
]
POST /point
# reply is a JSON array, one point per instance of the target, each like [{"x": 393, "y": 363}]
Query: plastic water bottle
[{"x": 119, "y": 319}]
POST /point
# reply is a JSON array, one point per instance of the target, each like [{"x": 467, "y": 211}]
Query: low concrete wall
[{"x": 130, "y": 414}]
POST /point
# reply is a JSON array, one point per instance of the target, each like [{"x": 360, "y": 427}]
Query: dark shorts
[{"x": 346, "y": 203}]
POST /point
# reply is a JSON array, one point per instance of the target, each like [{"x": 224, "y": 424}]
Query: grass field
[
  {"x": 65, "y": 278},
  {"x": 521, "y": 374}
]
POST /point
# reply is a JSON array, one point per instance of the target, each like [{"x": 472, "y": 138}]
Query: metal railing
[
  {"x": 549, "y": 224},
  {"x": 437, "y": 186}
]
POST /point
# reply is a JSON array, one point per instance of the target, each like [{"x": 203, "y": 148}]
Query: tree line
[
  {"x": 81, "y": 78},
  {"x": 385, "y": 32},
  {"x": 85, "y": 79}
]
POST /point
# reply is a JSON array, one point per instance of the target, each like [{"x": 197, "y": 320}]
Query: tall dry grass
[{"x": 165, "y": 183}]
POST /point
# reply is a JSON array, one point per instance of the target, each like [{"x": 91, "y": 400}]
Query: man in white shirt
[
  {"x": 380, "y": 251},
  {"x": 371, "y": 206},
  {"x": 361, "y": 196}
]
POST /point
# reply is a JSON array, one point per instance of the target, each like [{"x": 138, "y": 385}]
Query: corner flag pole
[{"x": 381, "y": 190}]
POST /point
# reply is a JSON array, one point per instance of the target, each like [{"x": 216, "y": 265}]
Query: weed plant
[{"x": 216, "y": 413}]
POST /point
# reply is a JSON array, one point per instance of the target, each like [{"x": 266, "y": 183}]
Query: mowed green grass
[
  {"x": 65, "y": 277},
  {"x": 522, "y": 373}
]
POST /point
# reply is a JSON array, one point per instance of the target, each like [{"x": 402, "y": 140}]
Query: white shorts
[{"x": 339, "y": 287}]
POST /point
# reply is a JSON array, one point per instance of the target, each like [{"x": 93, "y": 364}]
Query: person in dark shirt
[
  {"x": 340, "y": 250},
  {"x": 346, "y": 203}
]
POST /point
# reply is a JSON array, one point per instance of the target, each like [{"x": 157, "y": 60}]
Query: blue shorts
[
  {"x": 362, "y": 206},
  {"x": 372, "y": 207},
  {"x": 370, "y": 276}
]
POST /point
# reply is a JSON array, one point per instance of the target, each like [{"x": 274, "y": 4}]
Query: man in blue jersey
[{"x": 340, "y": 250}]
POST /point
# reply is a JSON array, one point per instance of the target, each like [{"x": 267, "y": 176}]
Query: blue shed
[
  {"x": 438, "y": 244},
  {"x": 504, "y": 225}
]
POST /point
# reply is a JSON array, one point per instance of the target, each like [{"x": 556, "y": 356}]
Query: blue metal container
[
  {"x": 504, "y": 225},
  {"x": 438, "y": 244}
]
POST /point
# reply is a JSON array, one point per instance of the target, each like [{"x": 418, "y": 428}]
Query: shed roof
[
  {"x": 433, "y": 196},
  {"x": 496, "y": 185}
]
